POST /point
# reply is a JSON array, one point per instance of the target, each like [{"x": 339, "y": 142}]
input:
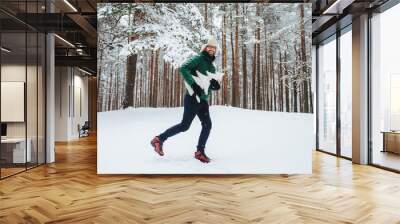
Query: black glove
[
  {"x": 214, "y": 85},
  {"x": 197, "y": 89}
]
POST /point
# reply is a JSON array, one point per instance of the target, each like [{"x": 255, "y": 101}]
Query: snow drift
[{"x": 242, "y": 141}]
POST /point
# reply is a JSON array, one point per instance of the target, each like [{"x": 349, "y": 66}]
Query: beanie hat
[{"x": 211, "y": 42}]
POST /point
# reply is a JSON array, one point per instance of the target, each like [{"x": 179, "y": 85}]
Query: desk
[
  {"x": 391, "y": 141},
  {"x": 13, "y": 150}
]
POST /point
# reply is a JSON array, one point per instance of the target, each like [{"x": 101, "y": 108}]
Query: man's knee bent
[
  {"x": 207, "y": 124},
  {"x": 185, "y": 126}
]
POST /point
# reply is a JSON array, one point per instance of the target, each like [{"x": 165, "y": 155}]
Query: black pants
[{"x": 191, "y": 109}]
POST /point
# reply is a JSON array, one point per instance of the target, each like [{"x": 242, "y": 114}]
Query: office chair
[{"x": 84, "y": 130}]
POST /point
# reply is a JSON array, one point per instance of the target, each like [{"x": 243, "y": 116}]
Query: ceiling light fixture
[
  {"x": 5, "y": 50},
  {"x": 84, "y": 71},
  {"x": 70, "y": 5},
  {"x": 64, "y": 40},
  {"x": 79, "y": 51},
  {"x": 337, "y": 7}
]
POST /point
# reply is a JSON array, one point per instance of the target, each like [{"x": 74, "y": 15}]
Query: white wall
[
  {"x": 80, "y": 84},
  {"x": 17, "y": 73},
  {"x": 70, "y": 83},
  {"x": 33, "y": 126},
  {"x": 62, "y": 80},
  {"x": 12, "y": 73},
  {"x": 12, "y": 100}
]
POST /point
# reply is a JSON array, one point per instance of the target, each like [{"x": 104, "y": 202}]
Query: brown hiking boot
[
  {"x": 201, "y": 156},
  {"x": 157, "y": 144}
]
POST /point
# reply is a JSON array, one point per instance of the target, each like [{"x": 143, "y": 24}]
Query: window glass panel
[
  {"x": 327, "y": 96},
  {"x": 385, "y": 89},
  {"x": 346, "y": 93}
]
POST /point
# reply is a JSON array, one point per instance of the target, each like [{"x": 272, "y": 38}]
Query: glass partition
[
  {"x": 13, "y": 105},
  {"x": 31, "y": 100},
  {"x": 22, "y": 78},
  {"x": 385, "y": 89},
  {"x": 327, "y": 95}
]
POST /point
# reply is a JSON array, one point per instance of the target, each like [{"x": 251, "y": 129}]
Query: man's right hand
[
  {"x": 214, "y": 85},
  {"x": 197, "y": 89}
]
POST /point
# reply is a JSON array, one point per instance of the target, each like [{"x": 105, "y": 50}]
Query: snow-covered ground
[{"x": 241, "y": 141}]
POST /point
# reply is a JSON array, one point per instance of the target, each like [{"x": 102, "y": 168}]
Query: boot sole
[
  {"x": 154, "y": 146},
  {"x": 203, "y": 161}
]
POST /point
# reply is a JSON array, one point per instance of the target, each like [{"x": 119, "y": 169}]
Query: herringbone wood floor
[{"x": 70, "y": 191}]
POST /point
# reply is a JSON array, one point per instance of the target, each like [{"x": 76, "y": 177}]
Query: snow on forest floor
[{"x": 241, "y": 141}]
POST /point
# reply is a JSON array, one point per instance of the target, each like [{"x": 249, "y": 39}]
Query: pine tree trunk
[
  {"x": 244, "y": 64},
  {"x": 235, "y": 58},
  {"x": 110, "y": 88},
  {"x": 140, "y": 99},
  {"x": 280, "y": 82},
  {"x": 267, "y": 74},
  {"x": 130, "y": 79},
  {"x": 262, "y": 80},
  {"x": 169, "y": 83},
  {"x": 300, "y": 84},
  {"x": 206, "y": 16},
  {"x": 151, "y": 87},
  {"x": 117, "y": 89},
  {"x": 287, "y": 103},
  {"x": 224, "y": 62},
  {"x": 176, "y": 89},
  {"x": 171, "y": 87},
  {"x": 147, "y": 80},
  {"x": 253, "y": 80},
  {"x": 181, "y": 87},
  {"x": 295, "y": 106},
  {"x": 258, "y": 64},
  {"x": 164, "y": 94},
  {"x": 244, "y": 71},
  {"x": 100, "y": 81},
  {"x": 143, "y": 88},
  {"x": 272, "y": 74},
  {"x": 310, "y": 95},
  {"x": 156, "y": 77},
  {"x": 306, "y": 89}
]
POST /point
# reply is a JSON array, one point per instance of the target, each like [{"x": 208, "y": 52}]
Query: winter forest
[{"x": 264, "y": 50}]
